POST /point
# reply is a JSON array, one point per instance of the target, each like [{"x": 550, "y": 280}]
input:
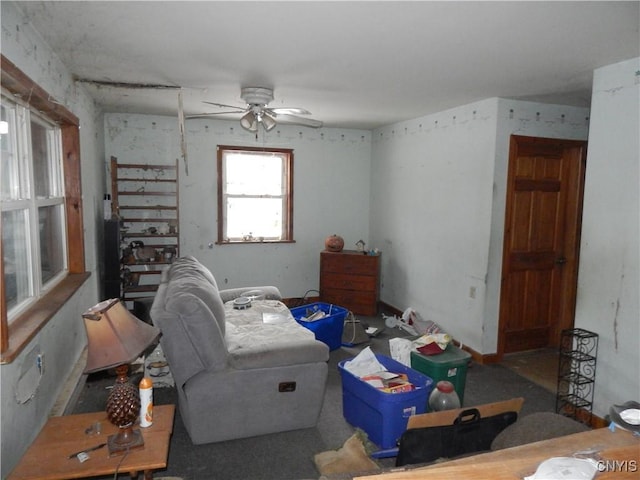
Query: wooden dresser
[{"x": 350, "y": 279}]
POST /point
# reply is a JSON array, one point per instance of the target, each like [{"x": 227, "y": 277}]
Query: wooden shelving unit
[{"x": 145, "y": 200}]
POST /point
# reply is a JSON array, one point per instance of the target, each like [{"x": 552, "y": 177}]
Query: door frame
[{"x": 577, "y": 152}]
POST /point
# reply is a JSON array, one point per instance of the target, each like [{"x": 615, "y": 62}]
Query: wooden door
[{"x": 541, "y": 241}]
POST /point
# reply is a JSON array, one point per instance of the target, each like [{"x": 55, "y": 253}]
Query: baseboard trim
[
  {"x": 389, "y": 308},
  {"x": 297, "y": 302},
  {"x": 482, "y": 359},
  {"x": 66, "y": 401},
  {"x": 588, "y": 418}
]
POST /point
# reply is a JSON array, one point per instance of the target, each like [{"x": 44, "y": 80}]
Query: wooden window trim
[
  {"x": 14, "y": 337},
  {"x": 289, "y": 200}
]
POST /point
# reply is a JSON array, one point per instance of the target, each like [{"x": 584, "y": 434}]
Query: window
[
  {"x": 255, "y": 195},
  {"x": 33, "y": 220},
  {"x": 42, "y": 244}
]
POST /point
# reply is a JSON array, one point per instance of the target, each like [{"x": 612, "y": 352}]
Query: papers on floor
[{"x": 373, "y": 331}]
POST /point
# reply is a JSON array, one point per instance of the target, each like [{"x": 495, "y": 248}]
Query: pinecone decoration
[{"x": 123, "y": 404}]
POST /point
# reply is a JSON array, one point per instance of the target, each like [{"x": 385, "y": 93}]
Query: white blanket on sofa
[{"x": 246, "y": 329}]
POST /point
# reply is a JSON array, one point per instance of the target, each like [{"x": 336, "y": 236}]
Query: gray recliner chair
[{"x": 242, "y": 378}]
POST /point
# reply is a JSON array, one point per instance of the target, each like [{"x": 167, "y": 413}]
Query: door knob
[{"x": 561, "y": 261}]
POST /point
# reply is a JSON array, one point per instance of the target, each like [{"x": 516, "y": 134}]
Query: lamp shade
[{"x": 115, "y": 336}]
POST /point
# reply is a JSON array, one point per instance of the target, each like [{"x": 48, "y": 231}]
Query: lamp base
[
  {"x": 127, "y": 439},
  {"x": 123, "y": 409}
]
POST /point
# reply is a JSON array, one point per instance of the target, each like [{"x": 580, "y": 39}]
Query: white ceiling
[{"x": 352, "y": 64}]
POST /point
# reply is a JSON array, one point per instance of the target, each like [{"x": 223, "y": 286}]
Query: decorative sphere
[{"x": 334, "y": 243}]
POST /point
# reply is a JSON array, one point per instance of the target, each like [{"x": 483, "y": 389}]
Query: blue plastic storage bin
[
  {"x": 328, "y": 329},
  {"x": 383, "y": 415}
]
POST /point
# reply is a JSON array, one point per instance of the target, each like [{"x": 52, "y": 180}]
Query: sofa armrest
[{"x": 270, "y": 292}]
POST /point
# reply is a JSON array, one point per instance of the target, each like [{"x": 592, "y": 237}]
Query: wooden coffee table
[{"x": 47, "y": 457}]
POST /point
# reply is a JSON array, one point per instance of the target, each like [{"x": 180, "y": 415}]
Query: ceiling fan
[{"x": 256, "y": 112}]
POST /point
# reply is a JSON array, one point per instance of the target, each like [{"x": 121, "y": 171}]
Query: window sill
[
  {"x": 26, "y": 326},
  {"x": 255, "y": 242}
]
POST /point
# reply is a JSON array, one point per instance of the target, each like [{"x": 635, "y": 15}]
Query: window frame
[
  {"x": 16, "y": 336},
  {"x": 287, "y": 209},
  {"x": 31, "y": 201}
]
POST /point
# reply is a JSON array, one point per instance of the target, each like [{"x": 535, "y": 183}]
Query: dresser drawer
[
  {"x": 356, "y": 263},
  {"x": 344, "y": 281},
  {"x": 360, "y": 303}
]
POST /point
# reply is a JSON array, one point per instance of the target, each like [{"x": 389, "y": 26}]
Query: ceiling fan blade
[
  {"x": 212, "y": 114},
  {"x": 222, "y": 105},
  {"x": 295, "y": 120},
  {"x": 289, "y": 111}
]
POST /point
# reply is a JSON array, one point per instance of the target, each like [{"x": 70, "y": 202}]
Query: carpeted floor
[{"x": 289, "y": 455}]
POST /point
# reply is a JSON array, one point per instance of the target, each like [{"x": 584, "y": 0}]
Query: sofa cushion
[
  {"x": 266, "y": 335},
  {"x": 190, "y": 338},
  {"x": 191, "y": 264},
  {"x": 273, "y": 346},
  {"x": 190, "y": 276}
]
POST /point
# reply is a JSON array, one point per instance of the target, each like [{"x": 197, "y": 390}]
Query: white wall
[
  {"x": 609, "y": 284},
  {"x": 430, "y": 214},
  {"x": 63, "y": 338},
  {"x": 331, "y": 193},
  {"x": 437, "y": 208}
]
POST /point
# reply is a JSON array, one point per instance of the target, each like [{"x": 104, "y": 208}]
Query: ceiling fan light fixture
[
  {"x": 268, "y": 122},
  {"x": 249, "y": 122},
  {"x": 256, "y": 112}
]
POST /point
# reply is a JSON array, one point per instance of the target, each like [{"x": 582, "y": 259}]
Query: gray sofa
[{"x": 236, "y": 376}]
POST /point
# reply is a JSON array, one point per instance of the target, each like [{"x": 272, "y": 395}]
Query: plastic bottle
[
  {"x": 443, "y": 397},
  {"x": 146, "y": 402}
]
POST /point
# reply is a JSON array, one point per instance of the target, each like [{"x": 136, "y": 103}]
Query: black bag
[{"x": 469, "y": 434}]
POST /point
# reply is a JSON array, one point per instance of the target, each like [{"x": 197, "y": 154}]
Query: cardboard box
[{"x": 447, "y": 417}]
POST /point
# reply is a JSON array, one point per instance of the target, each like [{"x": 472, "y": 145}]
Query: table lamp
[{"x": 115, "y": 339}]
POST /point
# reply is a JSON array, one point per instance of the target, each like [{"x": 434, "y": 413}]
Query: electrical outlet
[{"x": 472, "y": 292}]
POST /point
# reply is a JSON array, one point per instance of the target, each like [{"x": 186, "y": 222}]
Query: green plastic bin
[{"x": 450, "y": 365}]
